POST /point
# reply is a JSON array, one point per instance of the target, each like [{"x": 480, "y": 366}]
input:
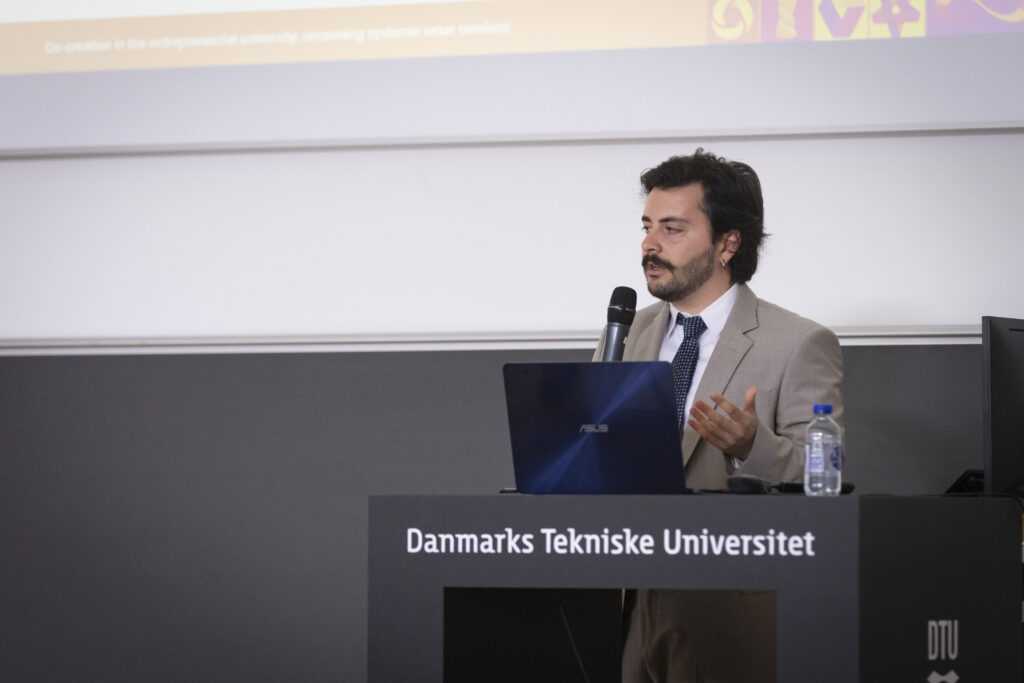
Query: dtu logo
[
  {"x": 943, "y": 644},
  {"x": 593, "y": 429},
  {"x": 943, "y": 639}
]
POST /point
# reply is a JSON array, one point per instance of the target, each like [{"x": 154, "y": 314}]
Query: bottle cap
[{"x": 822, "y": 409}]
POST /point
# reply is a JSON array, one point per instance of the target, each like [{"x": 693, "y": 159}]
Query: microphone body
[
  {"x": 621, "y": 310},
  {"x": 614, "y": 341}
]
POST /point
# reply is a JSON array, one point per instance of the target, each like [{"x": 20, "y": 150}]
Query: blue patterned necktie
[{"x": 685, "y": 361}]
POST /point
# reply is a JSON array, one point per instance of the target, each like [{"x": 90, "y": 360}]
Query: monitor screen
[{"x": 1003, "y": 392}]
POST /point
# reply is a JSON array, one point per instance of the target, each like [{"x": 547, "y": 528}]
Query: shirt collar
[{"x": 714, "y": 315}]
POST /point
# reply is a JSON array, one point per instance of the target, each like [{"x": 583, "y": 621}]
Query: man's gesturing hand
[{"x": 732, "y": 432}]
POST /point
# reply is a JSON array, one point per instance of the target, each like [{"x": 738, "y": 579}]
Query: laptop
[{"x": 594, "y": 428}]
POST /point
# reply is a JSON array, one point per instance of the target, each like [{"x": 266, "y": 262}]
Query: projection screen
[{"x": 120, "y": 75}]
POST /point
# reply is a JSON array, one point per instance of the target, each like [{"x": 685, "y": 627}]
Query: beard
[{"x": 685, "y": 279}]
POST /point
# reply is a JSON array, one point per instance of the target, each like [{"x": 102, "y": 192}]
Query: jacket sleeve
[{"x": 814, "y": 374}]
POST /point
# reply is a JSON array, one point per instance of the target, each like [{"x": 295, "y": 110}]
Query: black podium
[{"x": 866, "y": 588}]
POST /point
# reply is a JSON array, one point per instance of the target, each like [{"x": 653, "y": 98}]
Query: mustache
[{"x": 654, "y": 260}]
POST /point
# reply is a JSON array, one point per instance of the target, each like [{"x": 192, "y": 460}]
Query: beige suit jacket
[{"x": 794, "y": 363}]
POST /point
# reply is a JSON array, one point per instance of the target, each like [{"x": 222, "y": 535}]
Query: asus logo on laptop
[{"x": 593, "y": 429}]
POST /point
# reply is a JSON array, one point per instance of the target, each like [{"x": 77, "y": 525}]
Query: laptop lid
[{"x": 594, "y": 428}]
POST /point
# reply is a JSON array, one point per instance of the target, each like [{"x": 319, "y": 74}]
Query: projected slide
[{"x": 41, "y": 36}]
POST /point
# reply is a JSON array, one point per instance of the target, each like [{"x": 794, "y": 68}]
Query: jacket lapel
[
  {"x": 732, "y": 346},
  {"x": 648, "y": 343}
]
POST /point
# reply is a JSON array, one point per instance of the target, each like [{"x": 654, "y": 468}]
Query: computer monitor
[{"x": 1003, "y": 403}]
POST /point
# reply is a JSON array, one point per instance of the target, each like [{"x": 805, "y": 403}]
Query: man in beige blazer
[
  {"x": 759, "y": 372},
  {"x": 793, "y": 362}
]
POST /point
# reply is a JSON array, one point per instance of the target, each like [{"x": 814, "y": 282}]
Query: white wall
[{"x": 505, "y": 241}]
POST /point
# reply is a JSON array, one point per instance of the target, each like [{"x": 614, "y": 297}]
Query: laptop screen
[{"x": 594, "y": 428}]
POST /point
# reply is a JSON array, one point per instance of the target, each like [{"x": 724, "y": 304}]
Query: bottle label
[
  {"x": 836, "y": 458},
  {"x": 815, "y": 457}
]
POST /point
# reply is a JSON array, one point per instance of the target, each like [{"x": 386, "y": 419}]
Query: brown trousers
[{"x": 684, "y": 636}]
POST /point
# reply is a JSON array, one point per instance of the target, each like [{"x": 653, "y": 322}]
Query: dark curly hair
[{"x": 732, "y": 201}]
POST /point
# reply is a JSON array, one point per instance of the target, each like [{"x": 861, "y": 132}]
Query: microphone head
[{"x": 622, "y": 307}]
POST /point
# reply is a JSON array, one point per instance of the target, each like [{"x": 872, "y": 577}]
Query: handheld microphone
[{"x": 621, "y": 310}]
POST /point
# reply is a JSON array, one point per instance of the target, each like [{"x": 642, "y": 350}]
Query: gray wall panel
[{"x": 203, "y": 517}]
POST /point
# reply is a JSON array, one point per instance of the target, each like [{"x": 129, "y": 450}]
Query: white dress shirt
[{"x": 714, "y": 317}]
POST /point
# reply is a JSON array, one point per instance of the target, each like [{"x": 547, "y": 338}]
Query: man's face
[{"x": 679, "y": 256}]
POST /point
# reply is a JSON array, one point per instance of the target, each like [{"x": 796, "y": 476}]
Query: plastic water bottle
[{"x": 823, "y": 454}]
